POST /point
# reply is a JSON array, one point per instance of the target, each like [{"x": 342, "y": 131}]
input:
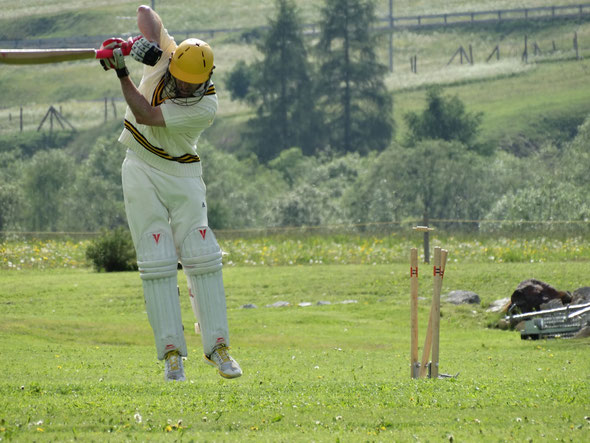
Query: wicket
[{"x": 431, "y": 342}]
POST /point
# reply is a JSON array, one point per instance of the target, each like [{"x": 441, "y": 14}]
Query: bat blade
[{"x": 40, "y": 56}]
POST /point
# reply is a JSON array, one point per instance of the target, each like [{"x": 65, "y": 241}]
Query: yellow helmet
[{"x": 192, "y": 62}]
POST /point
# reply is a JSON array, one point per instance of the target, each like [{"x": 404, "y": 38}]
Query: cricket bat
[{"x": 41, "y": 56}]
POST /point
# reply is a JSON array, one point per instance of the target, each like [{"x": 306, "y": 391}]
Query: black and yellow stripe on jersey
[
  {"x": 158, "y": 98},
  {"x": 140, "y": 138}
]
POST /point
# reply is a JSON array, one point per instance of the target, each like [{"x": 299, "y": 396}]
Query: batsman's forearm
[
  {"x": 142, "y": 110},
  {"x": 149, "y": 23}
]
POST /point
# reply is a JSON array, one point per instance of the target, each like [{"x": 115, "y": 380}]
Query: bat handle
[{"x": 125, "y": 48}]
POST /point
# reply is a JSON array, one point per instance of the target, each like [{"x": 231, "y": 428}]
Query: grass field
[
  {"x": 78, "y": 361},
  {"x": 232, "y": 13}
]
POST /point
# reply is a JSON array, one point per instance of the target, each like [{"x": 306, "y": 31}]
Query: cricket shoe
[
  {"x": 220, "y": 358},
  {"x": 174, "y": 369}
]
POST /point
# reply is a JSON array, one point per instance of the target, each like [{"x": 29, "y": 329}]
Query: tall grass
[{"x": 309, "y": 249}]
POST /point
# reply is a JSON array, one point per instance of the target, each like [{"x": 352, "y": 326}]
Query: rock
[
  {"x": 304, "y": 304},
  {"x": 347, "y": 302},
  {"x": 249, "y": 306},
  {"x": 583, "y": 333},
  {"x": 460, "y": 297},
  {"x": 581, "y": 295},
  {"x": 322, "y": 303},
  {"x": 279, "y": 304},
  {"x": 552, "y": 304},
  {"x": 498, "y": 305}
]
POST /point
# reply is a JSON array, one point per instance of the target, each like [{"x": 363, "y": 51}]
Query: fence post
[
  {"x": 105, "y": 109},
  {"x": 413, "y": 64},
  {"x": 525, "y": 54},
  {"x": 390, "y": 35},
  {"x": 21, "y": 119},
  {"x": 114, "y": 107},
  {"x": 495, "y": 51}
]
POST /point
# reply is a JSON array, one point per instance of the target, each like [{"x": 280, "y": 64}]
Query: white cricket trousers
[{"x": 156, "y": 201}]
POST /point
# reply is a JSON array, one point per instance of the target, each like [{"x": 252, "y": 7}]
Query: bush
[{"x": 112, "y": 251}]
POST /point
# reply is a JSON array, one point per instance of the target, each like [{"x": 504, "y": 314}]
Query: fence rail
[
  {"x": 490, "y": 227},
  {"x": 460, "y": 18},
  {"x": 393, "y": 22}
]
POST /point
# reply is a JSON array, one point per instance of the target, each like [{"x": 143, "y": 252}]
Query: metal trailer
[{"x": 552, "y": 323}]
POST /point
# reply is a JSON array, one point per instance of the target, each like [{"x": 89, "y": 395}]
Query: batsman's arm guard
[
  {"x": 157, "y": 262},
  {"x": 201, "y": 260}
]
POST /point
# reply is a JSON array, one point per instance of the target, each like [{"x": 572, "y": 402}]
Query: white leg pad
[
  {"x": 201, "y": 261},
  {"x": 157, "y": 262}
]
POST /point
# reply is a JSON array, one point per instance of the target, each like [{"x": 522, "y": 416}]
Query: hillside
[
  {"x": 518, "y": 99},
  {"x": 77, "y": 17}
]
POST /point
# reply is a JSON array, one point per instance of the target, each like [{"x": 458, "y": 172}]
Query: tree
[
  {"x": 94, "y": 200},
  {"x": 11, "y": 198},
  {"x": 239, "y": 192},
  {"x": 434, "y": 180},
  {"x": 352, "y": 96},
  {"x": 239, "y": 80},
  {"x": 444, "y": 118},
  {"x": 45, "y": 179},
  {"x": 280, "y": 87}
]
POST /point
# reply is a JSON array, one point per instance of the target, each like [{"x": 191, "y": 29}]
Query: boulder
[
  {"x": 460, "y": 297},
  {"x": 498, "y": 305},
  {"x": 581, "y": 295},
  {"x": 583, "y": 333}
]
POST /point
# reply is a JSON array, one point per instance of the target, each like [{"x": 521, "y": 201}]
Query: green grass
[
  {"x": 78, "y": 360},
  {"x": 231, "y": 13}
]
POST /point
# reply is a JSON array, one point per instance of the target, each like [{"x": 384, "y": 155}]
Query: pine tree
[
  {"x": 282, "y": 89},
  {"x": 352, "y": 94}
]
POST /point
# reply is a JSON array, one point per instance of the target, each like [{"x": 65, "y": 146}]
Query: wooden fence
[{"x": 463, "y": 18}]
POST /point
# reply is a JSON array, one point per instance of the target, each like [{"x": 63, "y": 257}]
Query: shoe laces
[
  {"x": 223, "y": 354},
  {"x": 174, "y": 361}
]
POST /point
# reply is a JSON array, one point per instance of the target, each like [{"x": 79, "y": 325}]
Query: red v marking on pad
[
  {"x": 156, "y": 237},
  {"x": 203, "y": 233}
]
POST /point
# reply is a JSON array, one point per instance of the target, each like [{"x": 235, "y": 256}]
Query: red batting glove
[{"x": 111, "y": 43}]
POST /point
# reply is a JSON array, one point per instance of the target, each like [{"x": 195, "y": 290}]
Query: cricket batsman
[{"x": 164, "y": 191}]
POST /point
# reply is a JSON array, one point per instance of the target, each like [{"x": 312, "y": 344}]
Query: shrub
[{"x": 112, "y": 251}]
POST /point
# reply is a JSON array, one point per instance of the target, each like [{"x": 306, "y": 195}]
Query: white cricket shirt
[{"x": 173, "y": 148}]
